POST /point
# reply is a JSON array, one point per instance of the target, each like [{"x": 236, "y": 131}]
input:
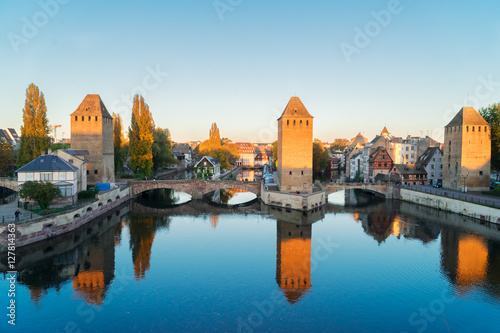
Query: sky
[{"x": 357, "y": 66}]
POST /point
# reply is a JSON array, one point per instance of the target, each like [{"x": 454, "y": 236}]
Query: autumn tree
[
  {"x": 214, "y": 136},
  {"x": 275, "y": 153},
  {"x": 6, "y": 156},
  {"x": 162, "y": 149},
  {"x": 492, "y": 115},
  {"x": 35, "y": 129},
  {"x": 320, "y": 157},
  {"x": 339, "y": 144},
  {"x": 41, "y": 192},
  {"x": 118, "y": 141},
  {"x": 223, "y": 150},
  {"x": 141, "y": 137}
]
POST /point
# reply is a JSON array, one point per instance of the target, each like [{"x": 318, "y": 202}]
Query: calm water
[{"x": 371, "y": 266}]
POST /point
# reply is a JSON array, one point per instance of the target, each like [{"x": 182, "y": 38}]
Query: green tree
[
  {"x": 275, "y": 153},
  {"x": 35, "y": 129},
  {"x": 492, "y": 115},
  {"x": 320, "y": 158},
  {"x": 6, "y": 157},
  {"x": 162, "y": 149},
  {"x": 41, "y": 192},
  {"x": 141, "y": 137},
  {"x": 339, "y": 144},
  {"x": 118, "y": 141}
]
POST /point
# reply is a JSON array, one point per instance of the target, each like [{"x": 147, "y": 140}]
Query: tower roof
[
  {"x": 92, "y": 105},
  {"x": 467, "y": 116},
  {"x": 295, "y": 108},
  {"x": 384, "y": 131}
]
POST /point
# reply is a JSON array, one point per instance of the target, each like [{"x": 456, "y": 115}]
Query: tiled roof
[
  {"x": 245, "y": 147},
  {"x": 92, "y": 105},
  {"x": 410, "y": 169},
  {"x": 384, "y": 131},
  {"x": 295, "y": 108},
  {"x": 427, "y": 155},
  {"x": 467, "y": 116},
  {"x": 213, "y": 161},
  {"x": 75, "y": 152},
  {"x": 47, "y": 163}
]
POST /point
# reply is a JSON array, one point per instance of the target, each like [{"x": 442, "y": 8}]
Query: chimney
[
  {"x": 49, "y": 151},
  {"x": 43, "y": 153}
]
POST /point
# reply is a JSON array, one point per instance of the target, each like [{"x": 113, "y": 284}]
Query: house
[
  {"x": 246, "y": 151},
  {"x": 410, "y": 174},
  {"x": 357, "y": 144},
  {"x": 56, "y": 170},
  {"x": 77, "y": 159},
  {"x": 356, "y": 165},
  {"x": 207, "y": 167},
  {"x": 180, "y": 156},
  {"x": 380, "y": 162},
  {"x": 261, "y": 159},
  {"x": 432, "y": 161},
  {"x": 185, "y": 149}
]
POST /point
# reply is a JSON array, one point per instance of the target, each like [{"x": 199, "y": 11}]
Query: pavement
[{"x": 7, "y": 213}]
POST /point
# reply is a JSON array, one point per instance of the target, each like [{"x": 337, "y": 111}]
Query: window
[
  {"x": 62, "y": 175},
  {"x": 302, "y": 172},
  {"x": 88, "y": 172},
  {"x": 70, "y": 161},
  {"x": 467, "y": 128},
  {"x": 432, "y": 166},
  {"x": 433, "y": 159},
  {"x": 76, "y": 118},
  {"x": 294, "y": 123},
  {"x": 29, "y": 176},
  {"x": 412, "y": 147},
  {"x": 307, "y": 122},
  {"x": 472, "y": 128},
  {"x": 83, "y": 118},
  {"x": 301, "y": 123},
  {"x": 479, "y": 128},
  {"x": 46, "y": 176},
  {"x": 95, "y": 172},
  {"x": 486, "y": 128},
  {"x": 89, "y": 118},
  {"x": 288, "y": 122},
  {"x": 289, "y": 172},
  {"x": 407, "y": 148},
  {"x": 480, "y": 173},
  {"x": 95, "y": 118}
]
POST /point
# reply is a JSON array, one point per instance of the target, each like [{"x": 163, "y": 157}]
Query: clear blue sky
[{"x": 413, "y": 76}]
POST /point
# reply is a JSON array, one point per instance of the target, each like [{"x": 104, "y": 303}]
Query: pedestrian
[{"x": 17, "y": 213}]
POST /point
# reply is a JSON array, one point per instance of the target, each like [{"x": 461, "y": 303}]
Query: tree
[
  {"x": 492, "y": 115},
  {"x": 223, "y": 150},
  {"x": 6, "y": 156},
  {"x": 214, "y": 136},
  {"x": 339, "y": 144},
  {"x": 275, "y": 153},
  {"x": 162, "y": 149},
  {"x": 118, "y": 141},
  {"x": 141, "y": 137},
  {"x": 320, "y": 157},
  {"x": 41, "y": 192},
  {"x": 35, "y": 129}
]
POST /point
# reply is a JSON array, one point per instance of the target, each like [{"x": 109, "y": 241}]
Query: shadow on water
[
  {"x": 162, "y": 198},
  {"x": 231, "y": 197}
]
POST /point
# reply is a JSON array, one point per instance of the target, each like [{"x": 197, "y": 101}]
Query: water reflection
[
  {"x": 232, "y": 197},
  {"x": 162, "y": 198},
  {"x": 250, "y": 175}
]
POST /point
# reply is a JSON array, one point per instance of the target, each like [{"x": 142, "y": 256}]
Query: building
[
  {"x": 207, "y": 167},
  {"x": 54, "y": 169},
  {"x": 77, "y": 159},
  {"x": 467, "y": 152},
  {"x": 432, "y": 161},
  {"x": 261, "y": 159},
  {"x": 10, "y": 135},
  {"x": 356, "y": 165},
  {"x": 92, "y": 130},
  {"x": 356, "y": 145},
  {"x": 409, "y": 174},
  {"x": 380, "y": 162},
  {"x": 295, "y": 148},
  {"x": 185, "y": 149},
  {"x": 246, "y": 151}
]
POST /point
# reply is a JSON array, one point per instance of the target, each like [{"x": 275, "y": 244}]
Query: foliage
[
  {"x": 35, "y": 129},
  {"x": 492, "y": 115},
  {"x": 41, "y": 192},
  {"x": 6, "y": 157},
  {"x": 162, "y": 149},
  {"x": 226, "y": 153},
  {"x": 359, "y": 177},
  {"x": 88, "y": 194},
  {"x": 320, "y": 157},
  {"x": 275, "y": 153},
  {"x": 59, "y": 145},
  {"x": 141, "y": 137},
  {"x": 125, "y": 176},
  {"x": 118, "y": 142},
  {"x": 339, "y": 144}
]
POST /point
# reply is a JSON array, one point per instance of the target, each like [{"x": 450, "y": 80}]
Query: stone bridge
[
  {"x": 382, "y": 189},
  {"x": 196, "y": 188},
  {"x": 10, "y": 183}
]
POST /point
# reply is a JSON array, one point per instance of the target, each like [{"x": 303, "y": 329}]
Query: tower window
[
  {"x": 294, "y": 123},
  {"x": 307, "y": 122},
  {"x": 472, "y": 128},
  {"x": 467, "y": 128},
  {"x": 301, "y": 123},
  {"x": 83, "y": 118},
  {"x": 479, "y": 128},
  {"x": 89, "y": 118},
  {"x": 486, "y": 128},
  {"x": 95, "y": 172},
  {"x": 76, "y": 118},
  {"x": 288, "y": 122},
  {"x": 95, "y": 118},
  {"x": 290, "y": 173},
  {"x": 480, "y": 173}
]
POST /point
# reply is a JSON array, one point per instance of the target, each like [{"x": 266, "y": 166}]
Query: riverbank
[{"x": 49, "y": 226}]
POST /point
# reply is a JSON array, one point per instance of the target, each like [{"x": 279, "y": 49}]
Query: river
[{"x": 368, "y": 265}]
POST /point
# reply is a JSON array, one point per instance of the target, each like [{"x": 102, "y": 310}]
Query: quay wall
[
  {"x": 470, "y": 209},
  {"x": 54, "y": 225},
  {"x": 303, "y": 202}
]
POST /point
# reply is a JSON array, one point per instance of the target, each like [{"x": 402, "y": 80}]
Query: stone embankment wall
[
  {"x": 303, "y": 202},
  {"x": 54, "y": 225},
  {"x": 451, "y": 205}
]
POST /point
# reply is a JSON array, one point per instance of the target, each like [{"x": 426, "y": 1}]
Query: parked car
[{"x": 438, "y": 185}]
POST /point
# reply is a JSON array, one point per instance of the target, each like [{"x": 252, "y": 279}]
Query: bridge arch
[
  {"x": 194, "y": 187},
  {"x": 374, "y": 188},
  {"x": 10, "y": 183}
]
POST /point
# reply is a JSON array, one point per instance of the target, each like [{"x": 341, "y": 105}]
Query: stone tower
[
  {"x": 467, "y": 152},
  {"x": 92, "y": 130},
  {"x": 295, "y": 148}
]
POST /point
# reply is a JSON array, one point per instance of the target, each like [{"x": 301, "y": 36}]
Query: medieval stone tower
[
  {"x": 295, "y": 148},
  {"x": 467, "y": 152},
  {"x": 92, "y": 130}
]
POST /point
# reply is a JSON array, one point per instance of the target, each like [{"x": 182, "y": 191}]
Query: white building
[{"x": 432, "y": 161}]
